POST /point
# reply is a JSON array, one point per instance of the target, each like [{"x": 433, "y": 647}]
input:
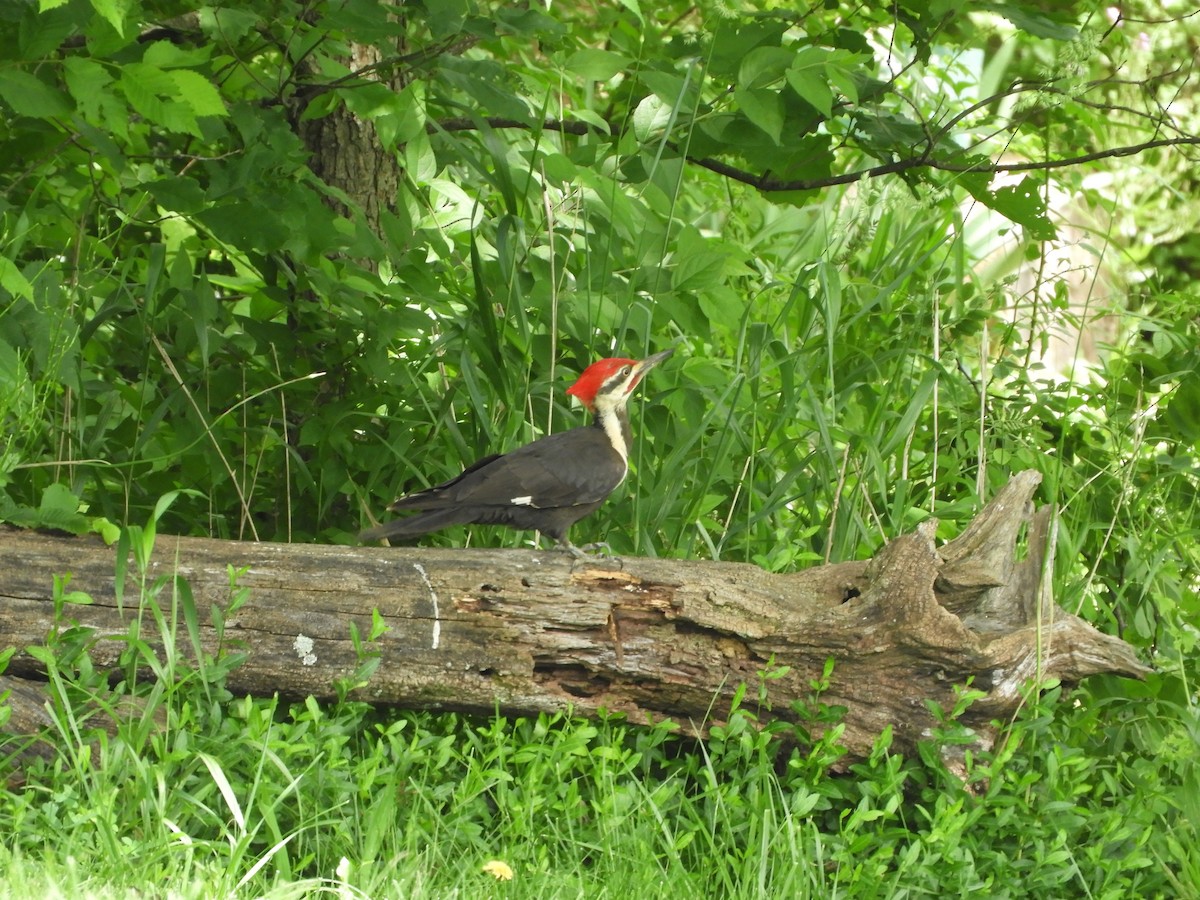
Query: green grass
[{"x": 202, "y": 794}]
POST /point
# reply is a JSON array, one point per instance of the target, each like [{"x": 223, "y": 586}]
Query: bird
[{"x": 547, "y": 485}]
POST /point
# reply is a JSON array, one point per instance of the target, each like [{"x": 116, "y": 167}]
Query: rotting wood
[{"x": 525, "y": 631}]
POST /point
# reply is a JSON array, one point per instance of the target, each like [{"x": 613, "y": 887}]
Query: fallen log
[{"x": 528, "y": 631}]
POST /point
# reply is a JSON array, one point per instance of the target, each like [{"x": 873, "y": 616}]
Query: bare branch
[{"x": 770, "y": 185}]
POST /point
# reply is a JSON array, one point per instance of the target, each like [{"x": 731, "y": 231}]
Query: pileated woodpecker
[{"x": 547, "y": 485}]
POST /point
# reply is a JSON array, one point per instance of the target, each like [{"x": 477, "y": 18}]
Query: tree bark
[
  {"x": 346, "y": 152},
  {"x": 522, "y": 631}
]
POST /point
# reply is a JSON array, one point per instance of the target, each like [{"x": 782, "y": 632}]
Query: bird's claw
[{"x": 596, "y": 550}]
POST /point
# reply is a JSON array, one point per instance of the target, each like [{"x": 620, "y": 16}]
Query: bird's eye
[{"x": 625, "y": 370}]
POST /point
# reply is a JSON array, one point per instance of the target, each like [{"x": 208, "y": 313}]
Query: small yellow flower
[{"x": 499, "y": 870}]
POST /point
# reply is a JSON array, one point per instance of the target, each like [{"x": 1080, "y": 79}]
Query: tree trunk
[
  {"x": 346, "y": 152},
  {"x": 477, "y": 630}
]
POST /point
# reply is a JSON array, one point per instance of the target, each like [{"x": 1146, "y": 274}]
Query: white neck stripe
[{"x": 612, "y": 428}]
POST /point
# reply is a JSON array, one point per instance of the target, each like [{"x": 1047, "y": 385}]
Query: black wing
[{"x": 571, "y": 468}]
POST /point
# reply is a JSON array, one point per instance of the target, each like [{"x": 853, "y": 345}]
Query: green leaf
[
  {"x": 245, "y": 224},
  {"x": 592, "y": 118},
  {"x": 764, "y": 66},
  {"x": 634, "y": 7},
  {"x": 172, "y": 99},
  {"x": 88, "y": 82},
  {"x": 144, "y": 85},
  {"x": 597, "y": 65},
  {"x": 671, "y": 89},
  {"x": 559, "y": 168},
  {"x": 113, "y": 12},
  {"x": 763, "y": 108},
  {"x": 227, "y": 25},
  {"x": 486, "y": 83},
  {"x": 808, "y": 76},
  {"x": 181, "y": 195},
  {"x": 917, "y": 404},
  {"x": 1182, "y": 412},
  {"x": 733, "y": 41},
  {"x": 891, "y": 132},
  {"x": 651, "y": 117},
  {"x": 410, "y": 115},
  {"x": 166, "y": 55},
  {"x": 59, "y": 509},
  {"x": 419, "y": 159},
  {"x": 526, "y": 20},
  {"x": 198, "y": 93},
  {"x": 63, "y": 596},
  {"x": 40, "y": 36},
  {"x": 721, "y": 306},
  {"x": 12, "y": 373},
  {"x": 108, "y": 531},
  {"x": 13, "y": 281},
  {"x": 1033, "y": 23},
  {"x": 44, "y": 655},
  {"x": 28, "y": 95},
  {"x": 1025, "y": 205},
  {"x": 812, "y": 89},
  {"x": 1021, "y": 203},
  {"x": 379, "y": 104},
  {"x": 698, "y": 261},
  {"x": 842, "y": 79},
  {"x": 446, "y": 17}
]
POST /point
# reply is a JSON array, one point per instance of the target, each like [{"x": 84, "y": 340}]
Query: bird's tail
[{"x": 414, "y": 526}]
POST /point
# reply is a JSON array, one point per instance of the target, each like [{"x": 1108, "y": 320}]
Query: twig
[{"x": 769, "y": 185}]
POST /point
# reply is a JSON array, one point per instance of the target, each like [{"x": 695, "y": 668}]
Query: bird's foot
[{"x": 597, "y": 550}]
